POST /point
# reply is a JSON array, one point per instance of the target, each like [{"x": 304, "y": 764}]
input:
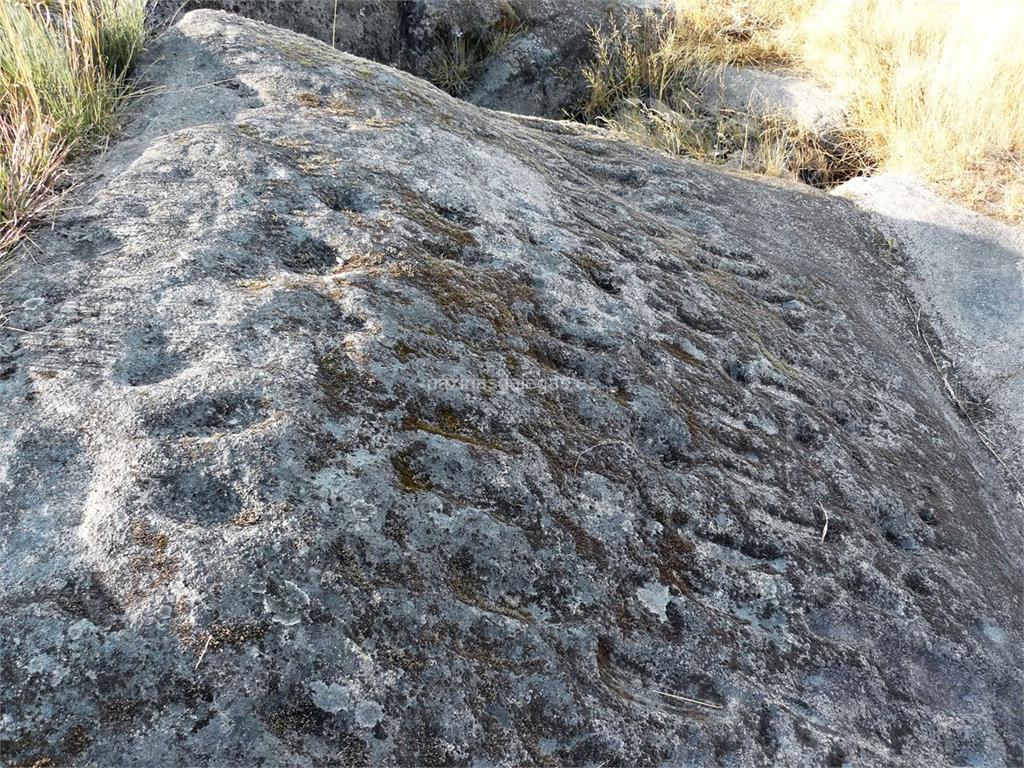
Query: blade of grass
[{"x": 62, "y": 80}]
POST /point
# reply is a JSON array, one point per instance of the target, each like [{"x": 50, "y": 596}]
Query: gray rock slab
[
  {"x": 347, "y": 423},
  {"x": 967, "y": 270},
  {"x": 759, "y": 92}
]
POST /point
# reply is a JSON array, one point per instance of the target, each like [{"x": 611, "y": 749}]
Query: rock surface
[
  {"x": 968, "y": 272},
  {"x": 533, "y": 71},
  {"x": 348, "y": 423},
  {"x": 759, "y": 92}
]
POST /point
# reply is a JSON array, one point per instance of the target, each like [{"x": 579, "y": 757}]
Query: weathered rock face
[
  {"x": 368, "y": 28},
  {"x": 521, "y": 55},
  {"x": 347, "y": 423},
  {"x": 968, "y": 271}
]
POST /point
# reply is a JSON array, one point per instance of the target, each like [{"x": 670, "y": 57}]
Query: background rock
[
  {"x": 348, "y": 423},
  {"x": 368, "y": 28},
  {"x": 759, "y": 92},
  {"x": 534, "y": 71}
]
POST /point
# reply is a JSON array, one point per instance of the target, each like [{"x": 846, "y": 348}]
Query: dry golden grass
[
  {"x": 645, "y": 81},
  {"x": 743, "y": 32},
  {"x": 634, "y": 59},
  {"x": 935, "y": 86},
  {"x": 769, "y": 144},
  {"x": 931, "y": 86},
  {"x": 62, "y": 67}
]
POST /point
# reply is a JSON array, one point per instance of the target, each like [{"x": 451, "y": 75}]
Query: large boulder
[
  {"x": 520, "y": 56},
  {"x": 345, "y": 422}
]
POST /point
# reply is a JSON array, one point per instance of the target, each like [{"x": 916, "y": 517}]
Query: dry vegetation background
[{"x": 933, "y": 87}]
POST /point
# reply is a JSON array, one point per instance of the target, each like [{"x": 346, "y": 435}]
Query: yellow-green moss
[
  {"x": 236, "y": 633},
  {"x": 404, "y": 352},
  {"x": 513, "y": 364},
  {"x": 461, "y": 293},
  {"x": 248, "y": 130},
  {"x": 308, "y": 54},
  {"x": 416, "y": 209},
  {"x": 465, "y": 588},
  {"x": 410, "y": 480},
  {"x": 449, "y": 424}
]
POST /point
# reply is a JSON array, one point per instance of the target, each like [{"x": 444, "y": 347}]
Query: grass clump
[
  {"x": 654, "y": 52},
  {"x": 62, "y": 79},
  {"x": 930, "y": 86},
  {"x": 634, "y": 62},
  {"x": 461, "y": 56},
  {"x": 934, "y": 86},
  {"x": 768, "y": 143},
  {"x": 647, "y": 80}
]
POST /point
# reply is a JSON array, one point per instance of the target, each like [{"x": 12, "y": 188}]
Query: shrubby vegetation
[
  {"x": 459, "y": 56},
  {"x": 930, "y": 86}
]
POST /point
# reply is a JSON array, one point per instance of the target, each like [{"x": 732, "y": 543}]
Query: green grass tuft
[
  {"x": 62, "y": 81},
  {"x": 460, "y": 56}
]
